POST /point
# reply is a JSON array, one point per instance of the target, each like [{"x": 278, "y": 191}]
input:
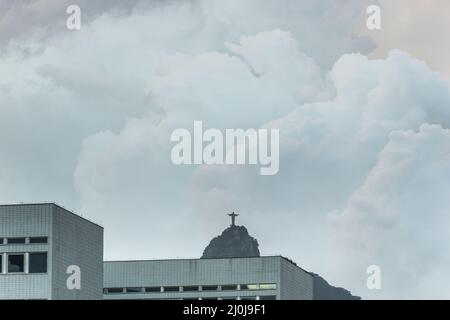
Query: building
[
  {"x": 256, "y": 278},
  {"x": 44, "y": 246},
  {"x": 38, "y": 243}
]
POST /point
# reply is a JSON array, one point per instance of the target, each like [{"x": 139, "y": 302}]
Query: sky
[{"x": 86, "y": 118}]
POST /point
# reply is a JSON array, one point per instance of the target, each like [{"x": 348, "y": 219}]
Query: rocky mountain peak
[{"x": 234, "y": 242}]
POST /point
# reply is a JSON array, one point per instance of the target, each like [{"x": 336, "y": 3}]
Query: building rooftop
[
  {"x": 202, "y": 259},
  {"x": 51, "y": 204}
]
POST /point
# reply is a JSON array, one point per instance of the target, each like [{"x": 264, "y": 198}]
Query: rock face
[
  {"x": 324, "y": 291},
  {"x": 234, "y": 242}
]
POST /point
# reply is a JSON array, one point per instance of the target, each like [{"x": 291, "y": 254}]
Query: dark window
[
  {"x": 133, "y": 290},
  {"x": 267, "y": 297},
  {"x": 38, "y": 262},
  {"x": 229, "y": 298},
  {"x": 15, "y": 240},
  {"x": 190, "y": 288},
  {"x": 248, "y": 298},
  {"x": 228, "y": 287},
  {"x": 114, "y": 290},
  {"x": 1, "y": 263},
  {"x": 16, "y": 263},
  {"x": 171, "y": 289},
  {"x": 210, "y": 288},
  {"x": 153, "y": 289},
  {"x": 209, "y": 298},
  {"x": 38, "y": 240}
]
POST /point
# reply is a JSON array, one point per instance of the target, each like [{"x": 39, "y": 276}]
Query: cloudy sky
[{"x": 364, "y": 119}]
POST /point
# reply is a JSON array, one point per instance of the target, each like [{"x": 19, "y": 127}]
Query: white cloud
[
  {"x": 90, "y": 113},
  {"x": 398, "y": 219},
  {"x": 188, "y": 88},
  {"x": 327, "y": 151},
  {"x": 328, "y": 147}
]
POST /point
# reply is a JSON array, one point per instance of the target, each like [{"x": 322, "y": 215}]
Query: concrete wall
[
  {"x": 192, "y": 272},
  {"x": 296, "y": 284},
  {"x": 25, "y": 221},
  {"x": 79, "y": 242}
]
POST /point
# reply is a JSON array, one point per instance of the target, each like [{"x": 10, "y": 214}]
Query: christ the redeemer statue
[{"x": 233, "y": 217}]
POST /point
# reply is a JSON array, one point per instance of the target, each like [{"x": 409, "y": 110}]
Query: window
[
  {"x": 171, "y": 289},
  {"x": 15, "y": 240},
  {"x": 210, "y": 288},
  {"x": 153, "y": 289},
  {"x": 248, "y": 298},
  {"x": 114, "y": 290},
  {"x": 228, "y": 287},
  {"x": 38, "y": 262},
  {"x": 133, "y": 290},
  {"x": 16, "y": 263},
  {"x": 268, "y": 286},
  {"x": 268, "y": 298},
  {"x": 38, "y": 240},
  {"x": 1, "y": 263},
  {"x": 190, "y": 288}
]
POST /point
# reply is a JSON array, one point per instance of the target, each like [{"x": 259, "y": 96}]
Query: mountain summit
[{"x": 234, "y": 242}]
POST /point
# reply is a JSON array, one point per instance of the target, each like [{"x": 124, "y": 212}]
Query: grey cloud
[
  {"x": 397, "y": 219},
  {"x": 24, "y": 17},
  {"x": 86, "y": 118}
]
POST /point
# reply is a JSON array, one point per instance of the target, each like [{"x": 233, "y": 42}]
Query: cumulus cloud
[
  {"x": 87, "y": 117},
  {"x": 44, "y": 18},
  {"x": 58, "y": 87},
  {"x": 398, "y": 219},
  {"x": 328, "y": 149},
  {"x": 246, "y": 90}
]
